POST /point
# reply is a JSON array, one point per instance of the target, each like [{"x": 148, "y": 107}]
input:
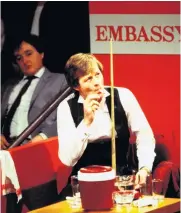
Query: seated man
[
  {"x": 84, "y": 130},
  {"x": 23, "y": 100}
]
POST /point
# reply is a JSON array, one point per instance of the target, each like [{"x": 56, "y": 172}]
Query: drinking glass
[
  {"x": 75, "y": 186},
  {"x": 158, "y": 189},
  {"x": 76, "y": 201},
  {"x": 124, "y": 186}
]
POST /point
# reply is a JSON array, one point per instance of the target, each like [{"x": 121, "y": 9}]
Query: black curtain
[{"x": 64, "y": 29}]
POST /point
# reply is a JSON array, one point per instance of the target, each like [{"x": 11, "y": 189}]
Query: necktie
[{"x": 8, "y": 118}]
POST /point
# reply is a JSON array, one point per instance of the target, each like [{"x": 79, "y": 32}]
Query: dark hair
[{"x": 33, "y": 40}]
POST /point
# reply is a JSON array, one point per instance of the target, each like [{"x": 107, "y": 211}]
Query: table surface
[{"x": 169, "y": 205}]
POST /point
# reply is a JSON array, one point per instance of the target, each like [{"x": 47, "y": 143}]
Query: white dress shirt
[
  {"x": 20, "y": 118},
  {"x": 73, "y": 140}
]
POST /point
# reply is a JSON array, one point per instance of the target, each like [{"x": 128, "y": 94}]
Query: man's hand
[
  {"x": 141, "y": 177},
  {"x": 37, "y": 138},
  {"x": 91, "y": 104},
  {"x": 4, "y": 143}
]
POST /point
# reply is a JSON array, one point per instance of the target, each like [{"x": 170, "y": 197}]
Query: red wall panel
[{"x": 154, "y": 79}]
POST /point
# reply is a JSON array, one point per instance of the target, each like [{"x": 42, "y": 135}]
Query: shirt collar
[
  {"x": 81, "y": 99},
  {"x": 39, "y": 73}
]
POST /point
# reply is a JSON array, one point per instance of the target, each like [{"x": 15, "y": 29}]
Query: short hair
[
  {"x": 33, "y": 40},
  {"x": 79, "y": 65}
]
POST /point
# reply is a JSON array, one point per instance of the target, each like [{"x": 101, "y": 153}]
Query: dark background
[{"x": 64, "y": 28}]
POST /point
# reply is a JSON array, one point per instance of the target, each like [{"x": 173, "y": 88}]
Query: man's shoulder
[
  {"x": 58, "y": 75},
  {"x": 54, "y": 76},
  {"x": 125, "y": 94},
  {"x": 120, "y": 89}
]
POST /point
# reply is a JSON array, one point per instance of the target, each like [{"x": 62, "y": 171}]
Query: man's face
[
  {"x": 29, "y": 59},
  {"x": 92, "y": 83}
]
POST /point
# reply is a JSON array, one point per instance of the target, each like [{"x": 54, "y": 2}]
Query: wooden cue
[{"x": 113, "y": 143}]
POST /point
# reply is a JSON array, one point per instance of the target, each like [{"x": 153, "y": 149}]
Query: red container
[{"x": 96, "y": 187}]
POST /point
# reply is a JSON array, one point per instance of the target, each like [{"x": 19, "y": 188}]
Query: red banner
[{"x": 146, "y": 60}]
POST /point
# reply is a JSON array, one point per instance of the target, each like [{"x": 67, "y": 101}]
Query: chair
[
  {"x": 37, "y": 165},
  {"x": 163, "y": 168}
]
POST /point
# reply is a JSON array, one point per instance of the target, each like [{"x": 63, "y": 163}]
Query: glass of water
[
  {"x": 125, "y": 189},
  {"x": 158, "y": 189},
  {"x": 75, "y": 186},
  {"x": 75, "y": 192}
]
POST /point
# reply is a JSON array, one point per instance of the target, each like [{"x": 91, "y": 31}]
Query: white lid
[{"x": 91, "y": 174}]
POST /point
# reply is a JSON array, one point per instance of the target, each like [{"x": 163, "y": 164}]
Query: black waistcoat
[{"x": 99, "y": 153}]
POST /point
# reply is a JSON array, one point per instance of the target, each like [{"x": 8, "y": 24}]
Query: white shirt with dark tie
[{"x": 20, "y": 118}]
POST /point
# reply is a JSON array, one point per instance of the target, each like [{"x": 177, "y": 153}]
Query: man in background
[{"x": 23, "y": 100}]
